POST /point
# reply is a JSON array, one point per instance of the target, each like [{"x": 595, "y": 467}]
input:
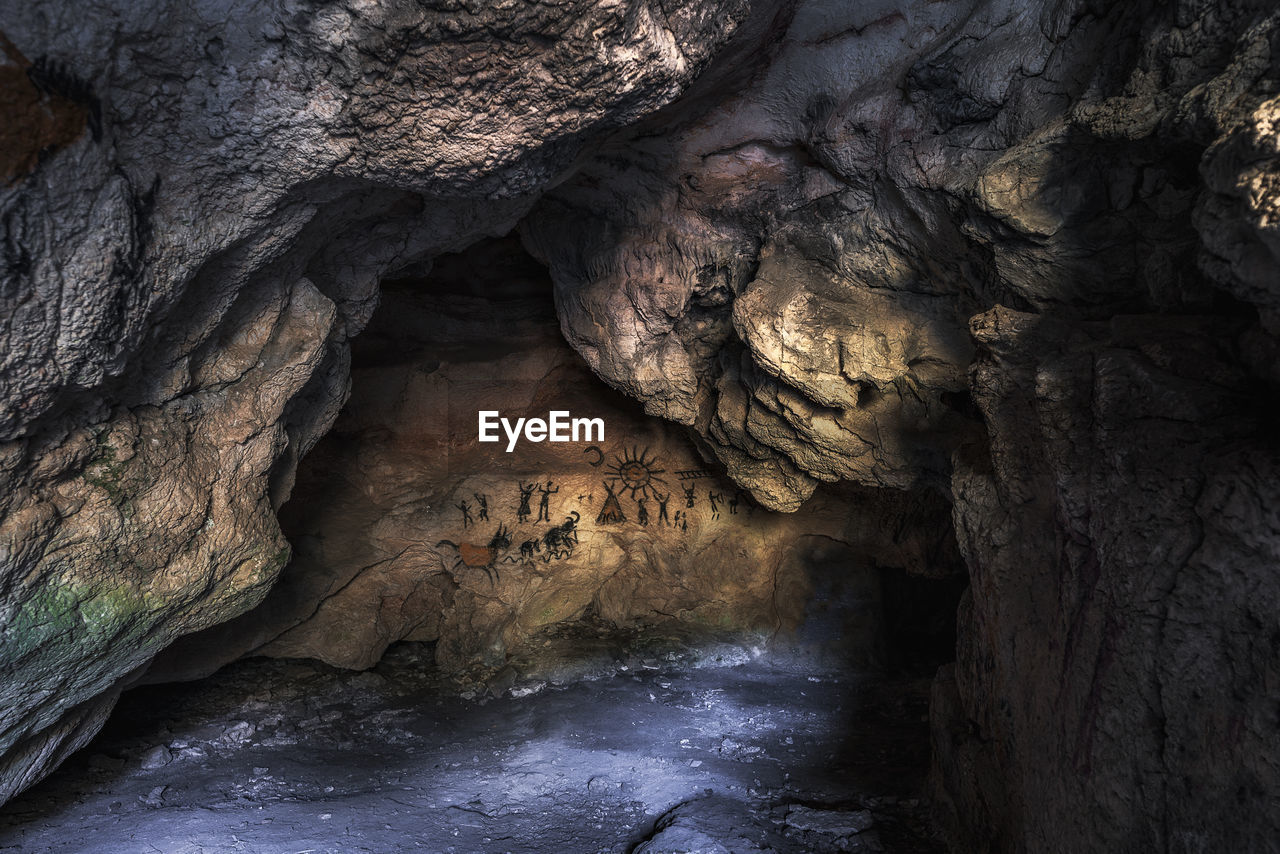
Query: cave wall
[
  {"x": 183, "y": 268},
  {"x": 405, "y": 527},
  {"x": 1026, "y": 250},
  {"x": 1023, "y": 253},
  {"x": 1116, "y": 672}
]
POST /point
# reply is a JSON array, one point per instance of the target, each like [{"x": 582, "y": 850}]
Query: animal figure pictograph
[
  {"x": 559, "y": 542},
  {"x": 485, "y": 557},
  {"x": 556, "y": 544},
  {"x": 528, "y": 550}
]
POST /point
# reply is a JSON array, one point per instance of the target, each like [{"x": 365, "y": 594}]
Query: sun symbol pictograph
[{"x": 637, "y": 472}]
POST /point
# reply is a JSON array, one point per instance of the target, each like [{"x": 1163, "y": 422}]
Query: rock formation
[
  {"x": 1054, "y": 221},
  {"x": 182, "y": 276},
  {"x": 405, "y": 527},
  {"x": 1024, "y": 255}
]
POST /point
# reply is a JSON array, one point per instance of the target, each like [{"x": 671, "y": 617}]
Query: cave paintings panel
[{"x": 539, "y": 521}]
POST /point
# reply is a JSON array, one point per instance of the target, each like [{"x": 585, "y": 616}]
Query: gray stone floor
[{"x": 720, "y": 748}]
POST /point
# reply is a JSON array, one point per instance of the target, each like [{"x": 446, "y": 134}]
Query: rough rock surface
[
  {"x": 1153, "y": 630},
  {"x": 405, "y": 527},
  {"x": 182, "y": 271},
  {"x": 1023, "y": 251},
  {"x": 791, "y": 269},
  {"x": 271, "y": 756},
  {"x": 1029, "y": 249}
]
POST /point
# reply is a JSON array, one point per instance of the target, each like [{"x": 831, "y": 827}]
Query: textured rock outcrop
[
  {"x": 1023, "y": 251},
  {"x": 791, "y": 270},
  {"x": 1141, "y": 655},
  {"x": 405, "y": 527},
  {"x": 198, "y": 205},
  {"x": 1029, "y": 249}
]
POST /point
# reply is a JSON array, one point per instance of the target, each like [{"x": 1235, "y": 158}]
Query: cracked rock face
[{"x": 1024, "y": 253}]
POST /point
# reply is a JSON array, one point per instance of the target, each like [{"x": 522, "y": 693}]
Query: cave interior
[
  {"x": 926, "y": 359},
  {"x": 596, "y": 697}
]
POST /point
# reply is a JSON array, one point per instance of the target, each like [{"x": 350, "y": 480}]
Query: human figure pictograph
[
  {"x": 526, "y": 493},
  {"x": 544, "y": 505}
]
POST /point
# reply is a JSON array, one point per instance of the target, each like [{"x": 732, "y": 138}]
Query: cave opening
[
  {"x": 573, "y": 646},
  {"x": 1015, "y": 265}
]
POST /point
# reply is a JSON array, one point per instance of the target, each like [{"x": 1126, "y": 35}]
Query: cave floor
[{"x": 720, "y": 750}]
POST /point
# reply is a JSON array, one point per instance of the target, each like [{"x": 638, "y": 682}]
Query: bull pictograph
[
  {"x": 556, "y": 543},
  {"x": 474, "y": 556}
]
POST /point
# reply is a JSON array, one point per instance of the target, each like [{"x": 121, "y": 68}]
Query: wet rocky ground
[{"x": 637, "y": 745}]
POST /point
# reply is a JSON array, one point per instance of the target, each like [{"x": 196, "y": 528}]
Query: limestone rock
[
  {"x": 1021, "y": 252},
  {"x": 211, "y": 199},
  {"x": 1131, "y": 448},
  {"x": 1093, "y": 185},
  {"x": 406, "y": 527}
]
